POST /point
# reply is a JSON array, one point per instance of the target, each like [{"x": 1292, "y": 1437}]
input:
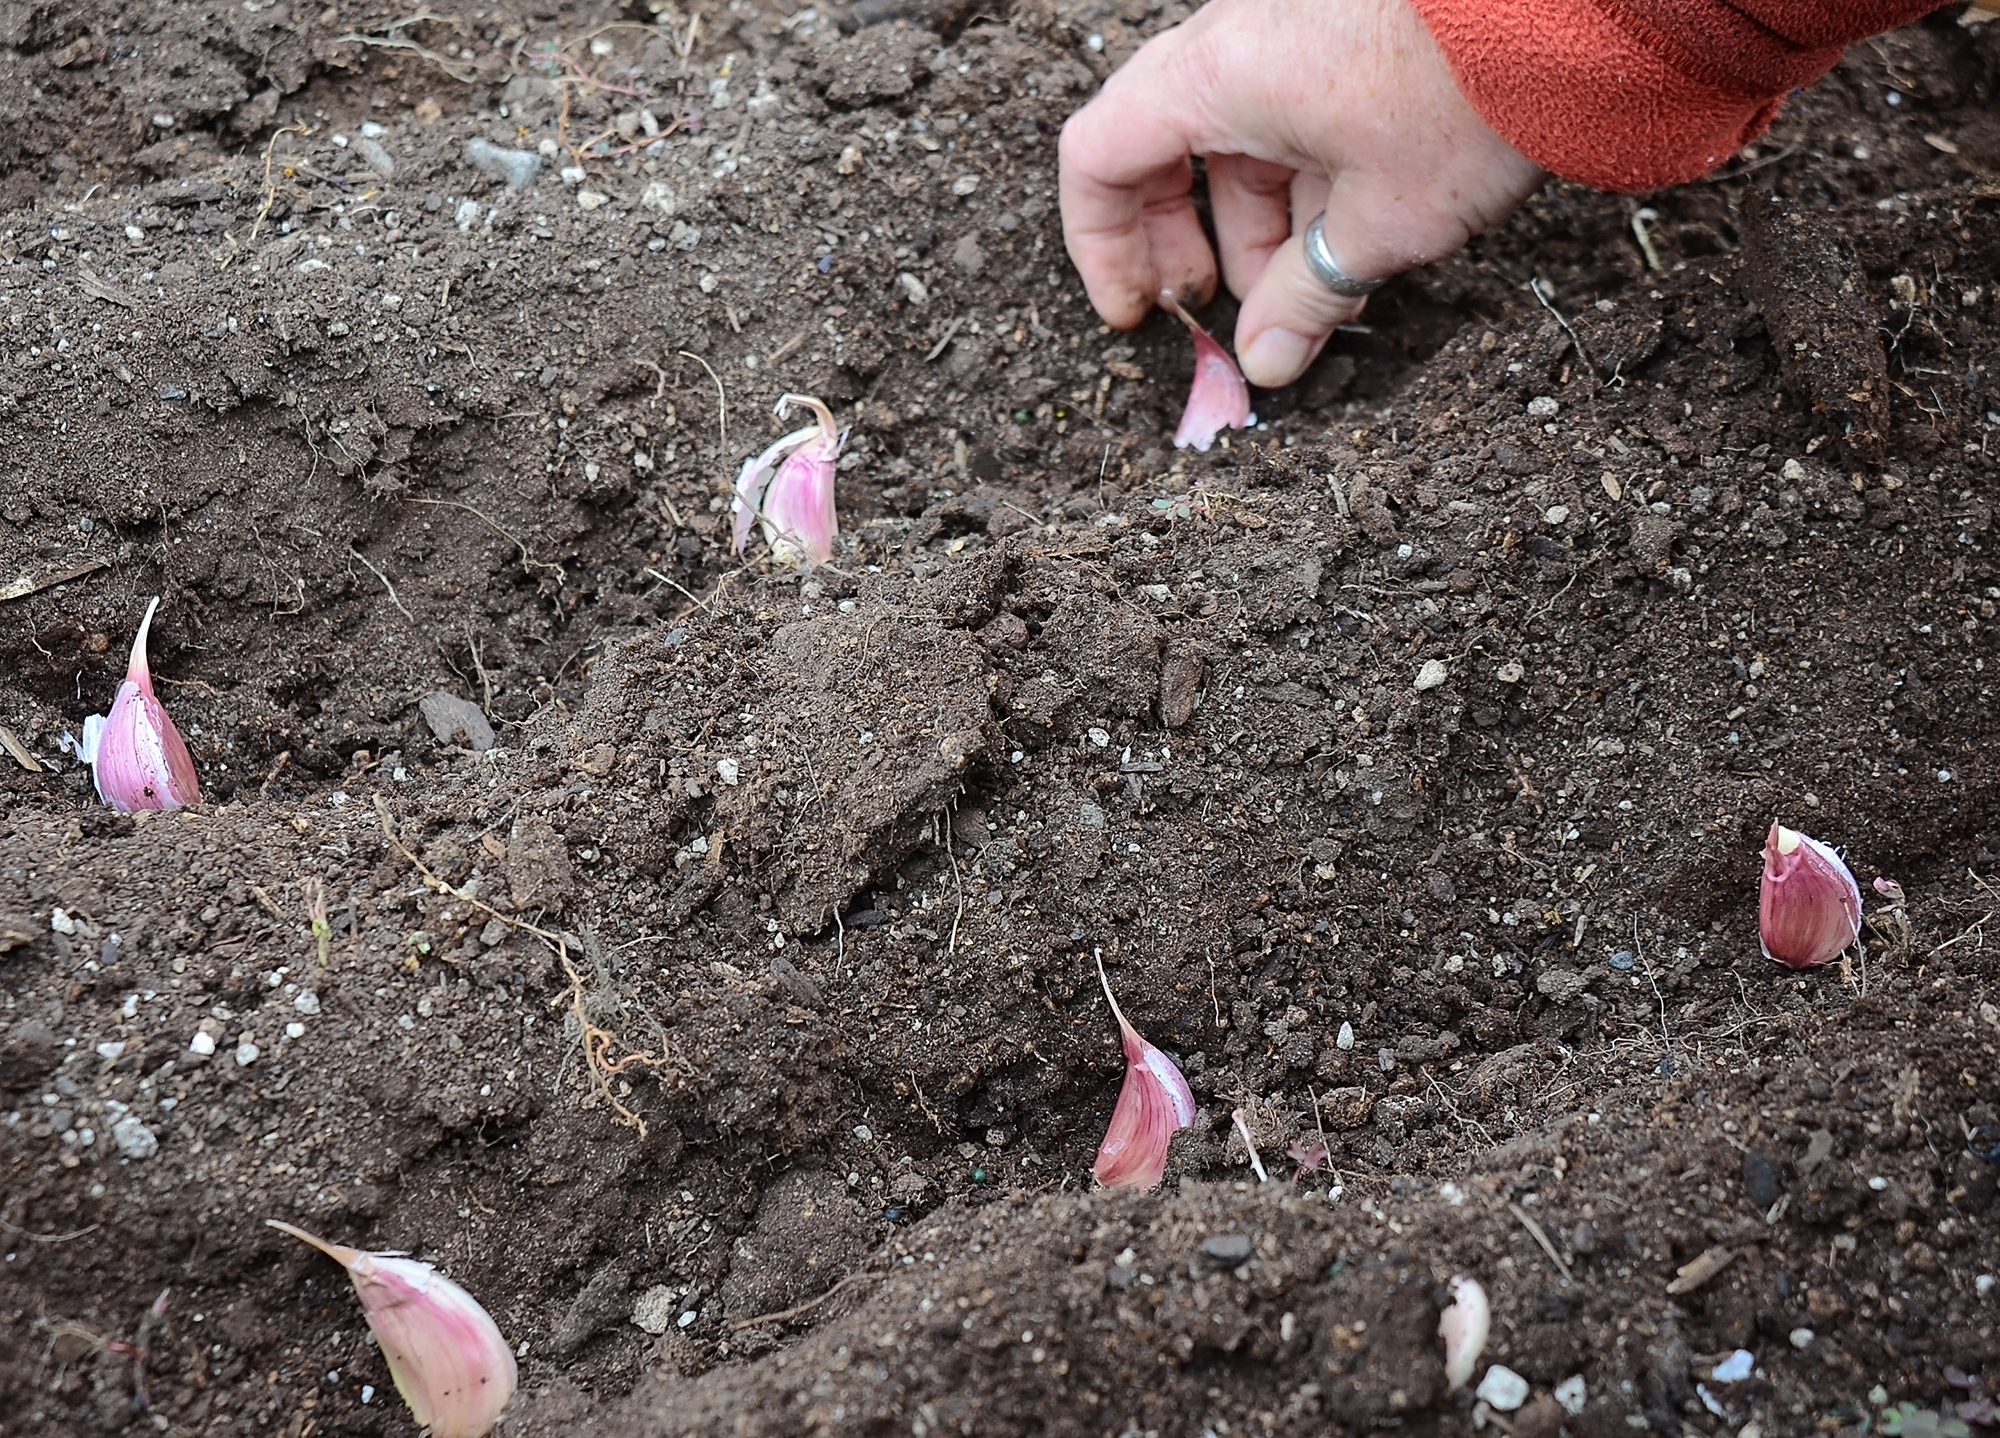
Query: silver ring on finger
[{"x": 1319, "y": 259}]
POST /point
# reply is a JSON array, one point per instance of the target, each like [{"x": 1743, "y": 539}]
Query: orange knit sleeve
[{"x": 1635, "y": 94}]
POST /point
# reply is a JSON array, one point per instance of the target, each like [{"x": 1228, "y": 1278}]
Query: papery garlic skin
[
  {"x": 788, "y": 489},
  {"x": 137, "y": 758},
  {"x": 1153, "y": 1105},
  {"x": 1809, "y": 907},
  {"x": 1219, "y": 399},
  {"x": 446, "y": 1354},
  {"x": 1464, "y": 1327}
]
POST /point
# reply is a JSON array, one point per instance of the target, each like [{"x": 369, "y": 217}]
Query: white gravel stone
[
  {"x": 654, "y": 1311},
  {"x": 202, "y": 1043},
  {"x": 134, "y": 1139},
  {"x": 1503, "y": 1388}
]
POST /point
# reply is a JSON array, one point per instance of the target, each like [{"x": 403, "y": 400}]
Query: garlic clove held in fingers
[
  {"x": 1220, "y": 399},
  {"x": 446, "y": 1354}
]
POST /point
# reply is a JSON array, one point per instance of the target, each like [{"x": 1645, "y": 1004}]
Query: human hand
[{"x": 1299, "y": 106}]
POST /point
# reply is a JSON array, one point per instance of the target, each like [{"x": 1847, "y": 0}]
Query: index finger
[{"x": 1128, "y": 221}]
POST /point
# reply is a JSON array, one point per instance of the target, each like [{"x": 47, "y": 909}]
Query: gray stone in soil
[{"x": 456, "y": 721}]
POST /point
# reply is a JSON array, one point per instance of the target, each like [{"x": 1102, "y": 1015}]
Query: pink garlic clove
[
  {"x": 1220, "y": 399},
  {"x": 1809, "y": 907},
  {"x": 445, "y": 1352},
  {"x": 1153, "y": 1105},
  {"x": 137, "y": 758},
  {"x": 788, "y": 489}
]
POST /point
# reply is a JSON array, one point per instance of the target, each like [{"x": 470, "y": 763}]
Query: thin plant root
[{"x": 598, "y": 1045}]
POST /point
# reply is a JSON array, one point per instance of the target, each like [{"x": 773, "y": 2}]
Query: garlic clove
[
  {"x": 137, "y": 758},
  {"x": 1219, "y": 399},
  {"x": 788, "y": 489},
  {"x": 1463, "y": 1326},
  {"x": 1153, "y": 1105},
  {"x": 755, "y": 479},
  {"x": 1809, "y": 907},
  {"x": 446, "y": 1354}
]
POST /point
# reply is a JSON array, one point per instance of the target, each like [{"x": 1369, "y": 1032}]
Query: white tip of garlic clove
[
  {"x": 446, "y": 1354},
  {"x": 1809, "y": 907},
  {"x": 1463, "y": 1327},
  {"x": 1154, "y": 1104}
]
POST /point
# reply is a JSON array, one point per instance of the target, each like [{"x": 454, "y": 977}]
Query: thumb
[{"x": 1288, "y": 314}]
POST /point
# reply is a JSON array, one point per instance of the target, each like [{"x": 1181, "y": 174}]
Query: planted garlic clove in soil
[
  {"x": 1809, "y": 907},
  {"x": 446, "y": 1354},
  {"x": 788, "y": 489},
  {"x": 1219, "y": 399},
  {"x": 1463, "y": 1326},
  {"x": 1154, "y": 1104},
  {"x": 136, "y": 756}
]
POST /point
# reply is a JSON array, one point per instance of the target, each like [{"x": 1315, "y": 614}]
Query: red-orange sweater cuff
[{"x": 1636, "y": 94}]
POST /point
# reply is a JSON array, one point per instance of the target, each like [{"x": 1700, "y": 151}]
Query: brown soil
[{"x": 746, "y": 984}]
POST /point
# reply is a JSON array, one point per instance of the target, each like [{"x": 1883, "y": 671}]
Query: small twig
[
  {"x": 699, "y": 602},
  {"x": 528, "y": 561},
  {"x": 944, "y": 339},
  {"x": 1535, "y": 289},
  {"x": 49, "y": 1237},
  {"x": 1535, "y": 1232},
  {"x": 1642, "y": 221},
  {"x": 315, "y": 893},
  {"x": 721, "y": 398},
  {"x": 479, "y": 668},
  {"x": 270, "y": 190},
  {"x": 394, "y": 598},
  {"x": 433, "y": 882},
  {"x": 1724, "y": 176},
  {"x": 924, "y": 1103},
  {"x": 785, "y": 1314},
  {"x": 277, "y": 768},
  {"x": 952, "y": 947},
  {"x": 1256, "y": 1163}
]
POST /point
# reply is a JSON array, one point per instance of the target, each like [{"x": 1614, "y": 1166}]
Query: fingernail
[{"x": 1275, "y": 357}]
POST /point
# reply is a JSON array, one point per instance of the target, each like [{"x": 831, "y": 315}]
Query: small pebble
[
  {"x": 246, "y": 1054},
  {"x": 1556, "y": 514},
  {"x": 1623, "y": 959},
  {"x": 307, "y": 1002},
  {"x": 295, "y": 1030},
  {"x": 1230, "y": 1249},
  {"x": 1100, "y": 738},
  {"x": 1572, "y": 1395},
  {"x": 1346, "y": 1037},
  {"x": 1802, "y": 1338},
  {"x": 134, "y": 1139},
  {"x": 517, "y": 167},
  {"x": 1503, "y": 1389},
  {"x": 1736, "y": 1367},
  {"x": 456, "y": 721},
  {"x": 1434, "y": 673},
  {"x": 202, "y": 1043},
  {"x": 864, "y": 1133}
]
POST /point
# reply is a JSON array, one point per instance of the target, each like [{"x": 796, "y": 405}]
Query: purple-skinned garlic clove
[
  {"x": 788, "y": 490},
  {"x": 1220, "y": 399},
  {"x": 445, "y": 1352},
  {"x": 1809, "y": 907},
  {"x": 1153, "y": 1105},
  {"x": 137, "y": 758}
]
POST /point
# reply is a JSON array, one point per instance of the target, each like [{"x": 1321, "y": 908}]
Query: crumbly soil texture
[{"x": 694, "y": 957}]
